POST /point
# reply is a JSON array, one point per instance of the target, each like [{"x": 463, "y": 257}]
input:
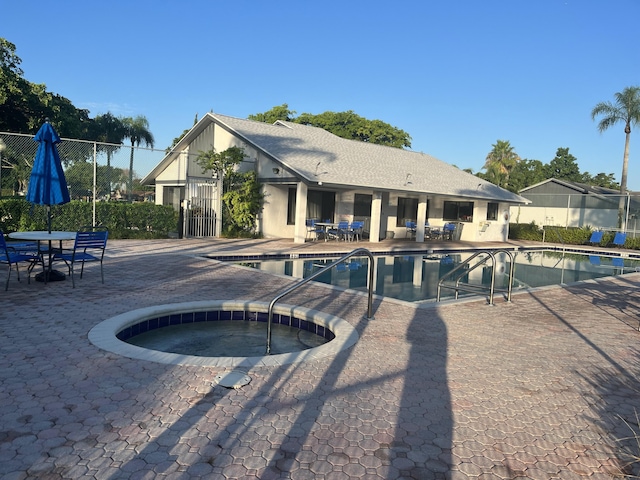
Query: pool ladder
[
  {"x": 459, "y": 272},
  {"x": 317, "y": 274}
]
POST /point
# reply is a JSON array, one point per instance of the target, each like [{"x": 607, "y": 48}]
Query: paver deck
[{"x": 544, "y": 387}]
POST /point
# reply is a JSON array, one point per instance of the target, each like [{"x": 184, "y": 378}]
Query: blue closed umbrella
[{"x": 47, "y": 185}]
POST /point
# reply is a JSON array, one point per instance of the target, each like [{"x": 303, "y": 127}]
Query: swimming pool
[{"x": 414, "y": 276}]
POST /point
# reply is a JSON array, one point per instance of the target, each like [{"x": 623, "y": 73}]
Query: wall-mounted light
[{"x": 276, "y": 171}]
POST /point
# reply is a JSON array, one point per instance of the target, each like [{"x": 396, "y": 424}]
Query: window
[
  {"x": 291, "y": 207},
  {"x": 458, "y": 211},
  {"x": 407, "y": 211},
  {"x": 320, "y": 205},
  {"x": 492, "y": 211},
  {"x": 362, "y": 205}
]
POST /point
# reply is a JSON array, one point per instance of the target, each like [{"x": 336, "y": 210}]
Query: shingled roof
[{"x": 315, "y": 155}]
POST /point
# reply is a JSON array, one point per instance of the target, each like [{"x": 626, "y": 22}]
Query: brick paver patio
[{"x": 544, "y": 387}]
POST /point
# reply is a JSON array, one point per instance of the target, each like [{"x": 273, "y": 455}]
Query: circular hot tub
[{"x": 311, "y": 327}]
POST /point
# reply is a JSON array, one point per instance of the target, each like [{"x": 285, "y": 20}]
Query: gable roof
[
  {"x": 315, "y": 155},
  {"x": 582, "y": 188}
]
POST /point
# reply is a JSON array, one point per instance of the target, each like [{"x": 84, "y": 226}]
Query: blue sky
[{"x": 457, "y": 76}]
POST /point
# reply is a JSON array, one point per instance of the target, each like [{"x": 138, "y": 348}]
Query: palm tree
[
  {"x": 626, "y": 109},
  {"x": 109, "y": 130},
  {"x": 137, "y": 130},
  {"x": 499, "y": 163}
]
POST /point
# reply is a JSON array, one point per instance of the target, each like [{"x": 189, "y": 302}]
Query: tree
[
  {"x": 136, "y": 130},
  {"x": 347, "y": 125},
  {"x": 241, "y": 192},
  {"x": 526, "y": 173},
  {"x": 563, "y": 167},
  {"x": 626, "y": 110},
  {"x": 110, "y": 132},
  {"x": 281, "y": 112},
  {"x": 177, "y": 139},
  {"x": 606, "y": 180},
  {"x": 500, "y": 161}
]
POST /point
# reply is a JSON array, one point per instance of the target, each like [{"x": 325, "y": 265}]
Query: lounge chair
[
  {"x": 619, "y": 239},
  {"x": 596, "y": 237}
]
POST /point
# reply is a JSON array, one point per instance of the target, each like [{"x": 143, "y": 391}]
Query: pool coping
[{"x": 103, "y": 335}]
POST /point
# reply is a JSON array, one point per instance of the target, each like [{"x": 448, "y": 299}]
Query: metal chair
[
  {"x": 448, "y": 229},
  {"x": 91, "y": 239},
  {"x": 341, "y": 232},
  {"x": 355, "y": 230},
  {"x": 410, "y": 229},
  {"x": 313, "y": 229},
  {"x": 11, "y": 256}
]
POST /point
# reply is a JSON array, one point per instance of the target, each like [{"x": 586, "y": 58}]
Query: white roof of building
[{"x": 316, "y": 155}]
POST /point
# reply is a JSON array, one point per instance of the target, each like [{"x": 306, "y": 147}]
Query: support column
[
  {"x": 422, "y": 218},
  {"x": 376, "y": 217},
  {"x": 300, "y": 230}
]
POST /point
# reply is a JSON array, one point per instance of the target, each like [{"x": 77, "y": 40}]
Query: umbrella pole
[{"x": 49, "y": 217}]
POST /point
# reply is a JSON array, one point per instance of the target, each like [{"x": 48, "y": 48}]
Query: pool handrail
[
  {"x": 490, "y": 254},
  {"x": 317, "y": 274}
]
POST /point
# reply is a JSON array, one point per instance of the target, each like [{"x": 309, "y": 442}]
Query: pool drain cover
[{"x": 233, "y": 379}]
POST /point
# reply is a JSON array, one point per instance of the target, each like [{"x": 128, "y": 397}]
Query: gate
[{"x": 200, "y": 211}]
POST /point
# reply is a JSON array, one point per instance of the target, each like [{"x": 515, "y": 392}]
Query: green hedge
[
  {"x": 124, "y": 220},
  {"x": 569, "y": 236}
]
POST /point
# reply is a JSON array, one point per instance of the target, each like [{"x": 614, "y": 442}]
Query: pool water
[
  {"x": 220, "y": 339},
  {"x": 414, "y": 277}
]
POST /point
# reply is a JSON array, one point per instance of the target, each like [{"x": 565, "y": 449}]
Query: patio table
[
  {"x": 45, "y": 236},
  {"x": 327, "y": 226}
]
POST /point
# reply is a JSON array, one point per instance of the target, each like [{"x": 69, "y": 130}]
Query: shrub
[{"x": 124, "y": 220}]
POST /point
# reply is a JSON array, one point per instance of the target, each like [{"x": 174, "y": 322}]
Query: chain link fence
[{"x": 95, "y": 171}]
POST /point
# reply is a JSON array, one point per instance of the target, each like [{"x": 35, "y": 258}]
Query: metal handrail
[
  {"x": 317, "y": 274},
  {"x": 490, "y": 255}
]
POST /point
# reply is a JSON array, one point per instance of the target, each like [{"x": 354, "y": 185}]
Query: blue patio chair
[
  {"x": 596, "y": 237},
  {"x": 447, "y": 230},
  {"x": 355, "y": 230},
  {"x": 339, "y": 233},
  {"x": 619, "y": 239},
  {"x": 410, "y": 227},
  {"x": 314, "y": 230},
  {"x": 88, "y": 247},
  {"x": 11, "y": 256}
]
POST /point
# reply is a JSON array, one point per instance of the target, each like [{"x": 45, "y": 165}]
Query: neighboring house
[
  {"x": 307, "y": 172},
  {"x": 569, "y": 204}
]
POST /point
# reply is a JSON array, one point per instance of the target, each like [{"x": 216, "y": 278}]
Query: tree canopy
[
  {"x": 514, "y": 175},
  {"x": 347, "y": 125}
]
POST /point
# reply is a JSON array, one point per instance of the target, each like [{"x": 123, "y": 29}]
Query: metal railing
[
  {"x": 490, "y": 254},
  {"x": 317, "y": 274}
]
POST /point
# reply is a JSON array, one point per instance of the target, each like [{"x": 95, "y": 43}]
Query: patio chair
[
  {"x": 619, "y": 239},
  {"x": 341, "y": 232},
  {"x": 89, "y": 246},
  {"x": 11, "y": 256},
  {"x": 315, "y": 231},
  {"x": 355, "y": 230},
  {"x": 447, "y": 230},
  {"x": 410, "y": 227},
  {"x": 596, "y": 237}
]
